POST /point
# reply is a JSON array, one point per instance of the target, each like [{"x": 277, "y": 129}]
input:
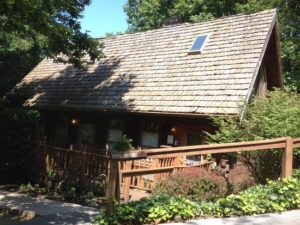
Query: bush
[
  {"x": 196, "y": 184},
  {"x": 275, "y": 196},
  {"x": 17, "y": 127},
  {"x": 276, "y": 115},
  {"x": 150, "y": 210}
]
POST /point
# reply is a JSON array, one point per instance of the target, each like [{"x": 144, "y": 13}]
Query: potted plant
[{"x": 123, "y": 149}]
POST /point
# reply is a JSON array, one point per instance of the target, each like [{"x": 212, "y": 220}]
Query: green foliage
[
  {"x": 276, "y": 115},
  {"x": 16, "y": 140},
  {"x": 150, "y": 210},
  {"x": 194, "y": 184},
  {"x": 149, "y": 14},
  {"x": 124, "y": 144},
  {"x": 296, "y": 173},
  {"x": 50, "y": 25},
  {"x": 289, "y": 19},
  {"x": 275, "y": 196}
]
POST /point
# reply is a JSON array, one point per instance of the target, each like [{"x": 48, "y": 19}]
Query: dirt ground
[{"x": 7, "y": 217}]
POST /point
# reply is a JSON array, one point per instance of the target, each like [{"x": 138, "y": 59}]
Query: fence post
[
  {"x": 287, "y": 159},
  {"x": 113, "y": 192},
  {"x": 114, "y": 179}
]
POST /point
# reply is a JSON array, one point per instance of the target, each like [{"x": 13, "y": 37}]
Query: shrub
[
  {"x": 275, "y": 196},
  {"x": 150, "y": 210},
  {"x": 194, "y": 183},
  {"x": 17, "y": 127},
  {"x": 240, "y": 178},
  {"x": 276, "y": 115}
]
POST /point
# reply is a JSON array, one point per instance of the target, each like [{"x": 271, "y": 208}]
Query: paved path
[
  {"x": 51, "y": 212},
  {"x": 286, "y": 218},
  {"x": 60, "y": 213}
]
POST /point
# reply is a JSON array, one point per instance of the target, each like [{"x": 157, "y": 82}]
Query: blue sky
[{"x": 104, "y": 16}]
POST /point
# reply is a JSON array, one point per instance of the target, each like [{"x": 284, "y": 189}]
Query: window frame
[{"x": 191, "y": 52}]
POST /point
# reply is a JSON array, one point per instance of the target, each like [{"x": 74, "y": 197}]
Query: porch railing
[
  {"x": 120, "y": 176},
  {"x": 141, "y": 171},
  {"x": 80, "y": 167}
]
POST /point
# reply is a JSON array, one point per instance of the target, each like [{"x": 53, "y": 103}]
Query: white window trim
[{"x": 202, "y": 47}]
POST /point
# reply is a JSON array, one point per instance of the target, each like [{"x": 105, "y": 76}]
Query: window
[
  {"x": 87, "y": 133},
  {"x": 61, "y": 134},
  {"x": 194, "y": 138},
  {"x": 115, "y": 132},
  {"x": 199, "y": 44},
  {"x": 150, "y": 134},
  {"x": 61, "y": 131},
  {"x": 149, "y": 139},
  {"x": 114, "y": 135}
]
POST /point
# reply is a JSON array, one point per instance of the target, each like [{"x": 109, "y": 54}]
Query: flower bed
[{"x": 275, "y": 196}]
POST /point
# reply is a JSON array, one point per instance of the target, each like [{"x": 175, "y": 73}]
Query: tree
[
  {"x": 149, "y": 14},
  {"x": 29, "y": 31},
  {"x": 276, "y": 115},
  {"x": 33, "y": 29},
  {"x": 52, "y": 25}
]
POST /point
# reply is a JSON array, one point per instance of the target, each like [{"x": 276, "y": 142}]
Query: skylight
[{"x": 199, "y": 44}]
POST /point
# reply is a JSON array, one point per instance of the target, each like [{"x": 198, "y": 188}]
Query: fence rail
[
  {"x": 118, "y": 174},
  {"x": 81, "y": 168},
  {"x": 85, "y": 165}
]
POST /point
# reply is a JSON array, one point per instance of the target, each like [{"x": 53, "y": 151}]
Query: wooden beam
[
  {"x": 113, "y": 185},
  {"x": 296, "y": 143},
  {"x": 140, "y": 172},
  {"x": 287, "y": 159},
  {"x": 216, "y": 148}
]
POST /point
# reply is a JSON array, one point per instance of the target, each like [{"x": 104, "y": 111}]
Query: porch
[
  {"x": 100, "y": 131},
  {"x": 84, "y": 168}
]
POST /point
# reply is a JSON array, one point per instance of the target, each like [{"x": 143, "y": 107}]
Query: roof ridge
[{"x": 185, "y": 24}]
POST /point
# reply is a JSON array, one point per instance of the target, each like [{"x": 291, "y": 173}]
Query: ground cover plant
[
  {"x": 63, "y": 192},
  {"x": 275, "y": 196}
]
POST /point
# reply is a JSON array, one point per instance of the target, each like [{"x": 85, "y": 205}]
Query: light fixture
[
  {"x": 173, "y": 129},
  {"x": 74, "y": 121}
]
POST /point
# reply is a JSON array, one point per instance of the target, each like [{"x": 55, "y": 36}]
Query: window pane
[
  {"x": 194, "y": 138},
  {"x": 115, "y": 135},
  {"x": 61, "y": 134},
  {"x": 149, "y": 139},
  {"x": 87, "y": 133},
  {"x": 198, "y": 44}
]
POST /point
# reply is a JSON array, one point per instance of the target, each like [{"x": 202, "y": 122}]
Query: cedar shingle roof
[{"x": 152, "y": 71}]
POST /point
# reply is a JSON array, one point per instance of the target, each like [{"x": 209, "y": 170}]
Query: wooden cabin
[{"x": 159, "y": 87}]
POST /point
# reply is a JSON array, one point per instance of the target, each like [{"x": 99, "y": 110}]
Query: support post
[
  {"x": 113, "y": 192},
  {"x": 287, "y": 159},
  {"x": 114, "y": 178},
  {"x": 127, "y": 181}
]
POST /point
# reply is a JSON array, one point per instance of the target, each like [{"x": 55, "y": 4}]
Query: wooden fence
[
  {"x": 81, "y": 167},
  {"x": 123, "y": 174},
  {"x": 124, "y": 171}
]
